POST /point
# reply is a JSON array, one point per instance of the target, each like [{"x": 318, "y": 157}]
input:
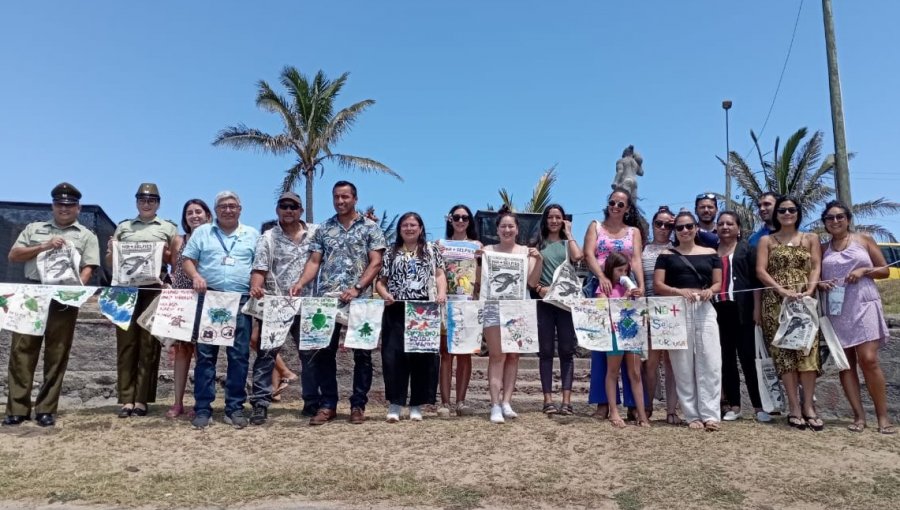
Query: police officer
[
  {"x": 24, "y": 350},
  {"x": 137, "y": 362}
]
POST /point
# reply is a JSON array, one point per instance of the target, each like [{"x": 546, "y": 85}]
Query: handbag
[
  {"x": 565, "y": 284},
  {"x": 798, "y": 324},
  {"x": 837, "y": 359},
  {"x": 771, "y": 394}
]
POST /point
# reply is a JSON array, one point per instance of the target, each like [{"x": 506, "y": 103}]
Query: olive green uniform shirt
[
  {"x": 39, "y": 232},
  {"x": 137, "y": 230}
]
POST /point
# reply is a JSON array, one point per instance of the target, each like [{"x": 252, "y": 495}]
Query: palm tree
[
  {"x": 311, "y": 128},
  {"x": 388, "y": 228},
  {"x": 540, "y": 195},
  {"x": 796, "y": 171}
]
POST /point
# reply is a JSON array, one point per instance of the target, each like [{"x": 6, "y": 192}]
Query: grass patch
[
  {"x": 629, "y": 499},
  {"x": 890, "y": 295}
]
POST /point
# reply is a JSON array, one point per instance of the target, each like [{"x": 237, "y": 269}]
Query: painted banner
[
  {"x": 176, "y": 313},
  {"x": 73, "y": 296},
  {"x": 566, "y": 285},
  {"x": 279, "y": 313},
  {"x": 145, "y": 319},
  {"x": 27, "y": 310},
  {"x": 668, "y": 325},
  {"x": 60, "y": 266},
  {"x": 422, "y": 331},
  {"x": 137, "y": 263},
  {"x": 364, "y": 324},
  {"x": 504, "y": 276},
  {"x": 317, "y": 322},
  {"x": 628, "y": 320},
  {"x": 461, "y": 267},
  {"x": 117, "y": 305},
  {"x": 218, "y": 319},
  {"x": 798, "y": 324},
  {"x": 7, "y": 290},
  {"x": 518, "y": 326},
  {"x": 592, "y": 323},
  {"x": 464, "y": 327}
]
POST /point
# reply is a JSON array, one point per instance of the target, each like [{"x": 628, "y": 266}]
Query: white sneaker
[
  {"x": 732, "y": 416},
  {"x": 443, "y": 411},
  {"x": 463, "y": 409},
  {"x": 497, "y": 414},
  {"x": 763, "y": 417},
  {"x": 415, "y": 413},
  {"x": 393, "y": 414},
  {"x": 508, "y": 411}
]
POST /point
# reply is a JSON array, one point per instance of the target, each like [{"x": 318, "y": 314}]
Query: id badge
[
  {"x": 228, "y": 261},
  {"x": 836, "y": 300}
]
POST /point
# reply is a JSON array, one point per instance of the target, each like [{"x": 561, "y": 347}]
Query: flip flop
[
  {"x": 887, "y": 430},
  {"x": 856, "y": 427},
  {"x": 281, "y": 387}
]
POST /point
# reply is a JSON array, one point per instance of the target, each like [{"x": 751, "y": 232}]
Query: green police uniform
[
  {"x": 139, "y": 353},
  {"x": 57, "y": 338}
]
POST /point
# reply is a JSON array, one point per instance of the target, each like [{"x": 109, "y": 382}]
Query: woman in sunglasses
[
  {"x": 663, "y": 224},
  {"x": 694, "y": 272},
  {"x": 850, "y": 261},
  {"x": 788, "y": 263},
  {"x": 618, "y": 232}
]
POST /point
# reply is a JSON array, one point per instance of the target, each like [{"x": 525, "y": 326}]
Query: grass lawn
[{"x": 890, "y": 295}]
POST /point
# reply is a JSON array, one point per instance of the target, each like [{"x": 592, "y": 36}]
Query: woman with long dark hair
[{"x": 410, "y": 266}]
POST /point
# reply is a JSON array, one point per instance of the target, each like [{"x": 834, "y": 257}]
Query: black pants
[
  {"x": 323, "y": 387},
  {"x": 555, "y": 324},
  {"x": 403, "y": 373},
  {"x": 737, "y": 342}
]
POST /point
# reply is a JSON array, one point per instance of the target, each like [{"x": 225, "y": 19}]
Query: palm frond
[
  {"x": 807, "y": 158},
  {"x": 242, "y": 137},
  {"x": 291, "y": 177},
  {"x": 783, "y": 164},
  {"x": 299, "y": 89},
  {"x": 744, "y": 176},
  {"x": 343, "y": 121},
  {"x": 540, "y": 196},
  {"x": 362, "y": 164},
  {"x": 878, "y": 207},
  {"x": 879, "y": 232},
  {"x": 267, "y": 99},
  {"x": 506, "y": 199}
]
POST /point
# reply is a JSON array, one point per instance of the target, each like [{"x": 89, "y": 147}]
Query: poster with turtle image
[
  {"x": 27, "y": 310},
  {"x": 317, "y": 322},
  {"x": 279, "y": 313},
  {"x": 593, "y": 328},
  {"x": 60, "y": 266},
  {"x": 566, "y": 285},
  {"x": 461, "y": 268},
  {"x": 464, "y": 327},
  {"x": 218, "y": 318},
  {"x": 137, "y": 263},
  {"x": 518, "y": 326},
  {"x": 629, "y": 323},
  {"x": 422, "y": 332},
  {"x": 117, "y": 305},
  {"x": 176, "y": 312},
  {"x": 504, "y": 276},
  {"x": 73, "y": 296},
  {"x": 364, "y": 324},
  {"x": 798, "y": 324},
  {"x": 7, "y": 290}
]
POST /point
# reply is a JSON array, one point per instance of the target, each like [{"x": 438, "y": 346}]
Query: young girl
[{"x": 615, "y": 269}]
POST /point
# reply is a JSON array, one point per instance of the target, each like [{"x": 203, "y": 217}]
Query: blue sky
[{"x": 471, "y": 96}]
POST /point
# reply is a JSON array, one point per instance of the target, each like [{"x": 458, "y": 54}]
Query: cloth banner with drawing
[
  {"x": 518, "y": 326},
  {"x": 279, "y": 313},
  {"x": 771, "y": 394},
  {"x": 668, "y": 323},
  {"x": 218, "y": 318},
  {"x": 72, "y": 295},
  {"x": 7, "y": 290},
  {"x": 364, "y": 324},
  {"x": 464, "y": 326},
  {"x": 145, "y": 319},
  {"x": 60, "y": 266},
  {"x": 175, "y": 315},
  {"x": 27, "y": 310},
  {"x": 317, "y": 322},
  {"x": 117, "y": 304},
  {"x": 798, "y": 324},
  {"x": 565, "y": 285},
  {"x": 136, "y": 264},
  {"x": 593, "y": 328},
  {"x": 503, "y": 276},
  {"x": 628, "y": 318},
  {"x": 422, "y": 331},
  {"x": 462, "y": 267}
]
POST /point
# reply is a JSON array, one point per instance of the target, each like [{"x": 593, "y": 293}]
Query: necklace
[
  {"x": 845, "y": 239},
  {"x": 790, "y": 241}
]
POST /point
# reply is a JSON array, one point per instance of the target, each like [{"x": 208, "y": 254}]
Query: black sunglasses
[
  {"x": 706, "y": 196},
  {"x": 288, "y": 206},
  {"x": 459, "y": 217},
  {"x": 663, "y": 224},
  {"x": 835, "y": 217},
  {"x": 615, "y": 203},
  {"x": 686, "y": 226},
  {"x": 787, "y": 210}
]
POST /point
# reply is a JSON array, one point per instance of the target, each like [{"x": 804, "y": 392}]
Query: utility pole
[
  {"x": 841, "y": 165},
  {"x": 726, "y": 105}
]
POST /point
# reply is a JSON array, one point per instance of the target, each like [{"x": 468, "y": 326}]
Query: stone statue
[{"x": 628, "y": 168}]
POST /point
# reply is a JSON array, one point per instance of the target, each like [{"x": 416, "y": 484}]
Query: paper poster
[
  {"x": 591, "y": 318},
  {"x": 176, "y": 313},
  {"x": 72, "y": 295},
  {"x": 27, "y": 310},
  {"x": 218, "y": 318},
  {"x": 7, "y": 290},
  {"x": 668, "y": 324},
  {"x": 464, "y": 327},
  {"x": 136, "y": 263},
  {"x": 423, "y": 327},
  {"x": 364, "y": 324},
  {"x": 461, "y": 267},
  {"x": 798, "y": 324},
  {"x": 518, "y": 326},
  {"x": 503, "y": 276},
  {"x": 317, "y": 322},
  {"x": 60, "y": 266},
  {"x": 628, "y": 320},
  {"x": 279, "y": 313},
  {"x": 117, "y": 305},
  {"x": 145, "y": 319}
]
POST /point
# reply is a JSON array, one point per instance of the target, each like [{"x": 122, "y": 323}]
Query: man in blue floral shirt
[{"x": 345, "y": 256}]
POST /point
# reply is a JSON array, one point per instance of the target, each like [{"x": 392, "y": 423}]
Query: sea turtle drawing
[
  {"x": 4, "y": 301},
  {"x": 59, "y": 268},
  {"x": 504, "y": 280},
  {"x": 177, "y": 321},
  {"x": 70, "y": 295},
  {"x": 132, "y": 264},
  {"x": 319, "y": 320},
  {"x": 219, "y": 315},
  {"x": 567, "y": 289},
  {"x": 365, "y": 330},
  {"x": 31, "y": 304},
  {"x": 796, "y": 324}
]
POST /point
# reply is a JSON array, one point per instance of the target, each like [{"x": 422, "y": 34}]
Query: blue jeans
[
  {"x": 322, "y": 366},
  {"x": 264, "y": 365},
  {"x": 236, "y": 375}
]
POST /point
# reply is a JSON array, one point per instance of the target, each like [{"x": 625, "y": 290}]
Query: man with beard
[
  {"x": 706, "y": 207},
  {"x": 766, "y": 205}
]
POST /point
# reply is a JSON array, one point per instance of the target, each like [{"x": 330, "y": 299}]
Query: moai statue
[{"x": 628, "y": 168}]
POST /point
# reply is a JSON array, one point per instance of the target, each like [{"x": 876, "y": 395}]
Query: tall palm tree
[
  {"x": 540, "y": 195},
  {"x": 796, "y": 171},
  {"x": 311, "y": 128}
]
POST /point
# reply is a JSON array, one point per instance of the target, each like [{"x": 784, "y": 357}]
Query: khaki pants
[
  {"x": 137, "y": 360},
  {"x": 23, "y": 357}
]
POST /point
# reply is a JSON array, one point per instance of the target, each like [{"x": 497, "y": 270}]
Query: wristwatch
[{"x": 358, "y": 287}]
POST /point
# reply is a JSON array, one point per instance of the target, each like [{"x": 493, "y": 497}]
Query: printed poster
[
  {"x": 364, "y": 324},
  {"x": 422, "y": 332},
  {"x": 117, "y": 305},
  {"x": 136, "y": 264},
  {"x": 176, "y": 312},
  {"x": 27, "y": 310},
  {"x": 461, "y": 267},
  {"x": 7, "y": 290},
  {"x": 668, "y": 323},
  {"x": 798, "y": 324},
  {"x": 60, "y": 266},
  {"x": 464, "y": 327},
  {"x": 593, "y": 327},
  {"x": 317, "y": 322},
  {"x": 218, "y": 318},
  {"x": 628, "y": 320},
  {"x": 518, "y": 326},
  {"x": 504, "y": 276},
  {"x": 72, "y": 295},
  {"x": 565, "y": 286},
  {"x": 279, "y": 313}
]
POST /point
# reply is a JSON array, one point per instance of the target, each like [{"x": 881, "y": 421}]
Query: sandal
[
  {"x": 281, "y": 387},
  {"x": 175, "y": 411},
  {"x": 566, "y": 410},
  {"x": 856, "y": 427},
  {"x": 887, "y": 430},
  {"x": 711, "y": 426},
  {"x": 696, "y": 425},
  {"x": 602, "y": 412},
  {"x": 617, "y": 422},
  {"x": 796, "y": 422},
  {"x": 815, "y": 427},
  {"x": 673, "y": 419},
  {"x": 139, "y": 411},
  {"x": 125, "y": 412},
  {"x": 549, "y": 409}
]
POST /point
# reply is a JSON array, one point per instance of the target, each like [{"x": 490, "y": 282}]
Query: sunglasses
[
  {"x": 687, "y": 226},
  {"x": 787, "y": 210},
  {"x": 706, "y": 196},
  {"x": 459, "y": 217},
  {"x": 288, "y": 206},
  {"x": 663, "y": 224},
  {"x": 835, "y": 217},
  {"x": 615, "y": 203},
  {"x": 148, "y": 200}
]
